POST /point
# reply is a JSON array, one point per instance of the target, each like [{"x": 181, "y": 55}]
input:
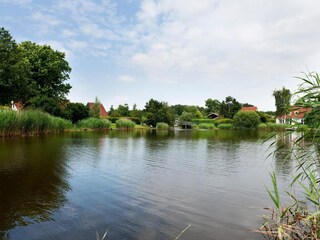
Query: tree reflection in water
[{"x": 33, "y": 181}]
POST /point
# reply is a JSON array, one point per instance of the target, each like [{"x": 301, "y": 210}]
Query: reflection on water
[
  {"x": 143, "y": 184},
  {"x": 33, "y": 181}
]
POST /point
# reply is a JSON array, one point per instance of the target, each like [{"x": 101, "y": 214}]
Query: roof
[
  {"x": 296, "y": 112},
  {"x": 103, "y": 112},
  {"x": 246, "y": 109}
]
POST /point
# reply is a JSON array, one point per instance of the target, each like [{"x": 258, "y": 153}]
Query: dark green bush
[
  {"x": 219, "y": 121},
  {"x": 249, "y": 119},
  {"x": 199, "y": 121}
]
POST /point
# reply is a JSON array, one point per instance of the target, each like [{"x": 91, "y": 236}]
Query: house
[
  {"x": 103, "y": 113},
  {"x": 247, "y": 109},
  {"x": 296, "y": 115}
]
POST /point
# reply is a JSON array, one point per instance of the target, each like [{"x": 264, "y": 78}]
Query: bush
[
  {"x": 244, "y": 119},
  {"x": 207, "y": 126},
  {"x": 217, "y": 122},
  {"x": 94, "y": 123},
  {"x": 199, "y": 121},
  {"x": 162, "y": 125},
  {"x": 125, "y": 123},
  {"x": 225, "y": 126}
]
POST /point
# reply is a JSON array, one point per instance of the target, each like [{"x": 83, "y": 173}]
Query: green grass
[
  {"x": 124, "y": 123},
  {"x": 94, "y": 123}
]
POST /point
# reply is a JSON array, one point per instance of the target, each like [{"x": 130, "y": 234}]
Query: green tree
[
  {"x": 229, "y": 107},
  {"x": 282, "y": 101},
  {"x": 48, "y": 71},
  {"x": 249, "y": 119},
  {"x": 186, "y": 117},
  {"x": 14, "y": 70},
  {"x": 77, "y": 112},
  {"x": 156, "y": 111},
  {"x": 212, "y": 106},
  {"x": 123, "y": 110}
]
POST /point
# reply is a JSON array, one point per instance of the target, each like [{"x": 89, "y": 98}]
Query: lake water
[{"x": 142, "y": 184}]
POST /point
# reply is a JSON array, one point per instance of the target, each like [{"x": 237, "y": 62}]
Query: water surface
[{"x": 141, "y": 184}]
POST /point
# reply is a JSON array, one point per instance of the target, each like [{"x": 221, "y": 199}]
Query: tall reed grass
[
  {"x": 30, "y": 122},
  {"x": 125, "y": 123},
  {"x": 94, "y": 123}
]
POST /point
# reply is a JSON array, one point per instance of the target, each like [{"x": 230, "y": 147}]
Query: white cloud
[{"x": 126, "y": 78}]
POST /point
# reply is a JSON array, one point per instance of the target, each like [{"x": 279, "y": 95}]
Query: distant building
[
  {"x": 296, "y": 115},
  {"x": 247, "y": 109},
  {"x": 103, "y": 112}
]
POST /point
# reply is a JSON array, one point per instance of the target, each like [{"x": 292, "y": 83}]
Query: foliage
[
  {"x": 282, "y": 101},
  {"x": 161, "y": 125},
  {"x": 125, "y": 123},
  {"x": 219, "y": 121},
  {"x": 300, "y": 220},
  {"x": 156, "y": 111},
  {"x": 229, "y": 107},
  {"x": 199, "y": 121},
  {"x": 185, "y": 117},
  {"x": 206, "y": 126},
  {"x": 94, "y": 123},
  {"x": 225, "y": 126},
  {"x": 32, "y": 74},
  {"x": 30, "y": 122},
  {"x": 265, "y": 117},
  {"x": 14, "y": 70},
  {"x": 212, "y": 106},
  {"x": 76, "y": 112},
  {"x": 48, "y": 71},
  {"x": 312, "y": 119},
  {"x": 246, "y": 119}
]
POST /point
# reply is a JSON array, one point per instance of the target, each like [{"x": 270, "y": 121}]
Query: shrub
[
  {"x": 249, "y": 119},
  {"x": 199, "y": 121},
  {"x": 161, "y": 125},
  {"x": 94, "y": 123},
  {"x": 225, "y": 126},
  {"x": 217, "y": 122},
  {"x": 207, "y": 126},
  {"x": 125, "y": 123}
]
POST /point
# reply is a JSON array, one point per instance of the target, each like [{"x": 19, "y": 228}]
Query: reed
[
  {"x": 30, "y": 122},
  {"x": 124, "y": 123},
  {"x": 94, "y": 123}
]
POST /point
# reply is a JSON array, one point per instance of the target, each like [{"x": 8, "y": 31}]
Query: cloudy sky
[{"x": 181, "y": 51}]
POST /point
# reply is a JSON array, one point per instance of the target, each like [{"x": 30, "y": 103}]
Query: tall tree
[
  {"x": 156, "y": 111},
  {"x": 212, "y": 106},
  {"x": 48, "y": 71},
  {"x": 282, "y": 101},
  {"x": 229, "y": 107},
  {"x": 14, "y": 70}
]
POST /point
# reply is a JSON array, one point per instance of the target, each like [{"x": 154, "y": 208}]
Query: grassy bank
[{"x": 30, "y": 122}]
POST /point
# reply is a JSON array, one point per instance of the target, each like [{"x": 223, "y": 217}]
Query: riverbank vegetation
[
  {"x": 299, "y": 219},
  {"x": 30, "y": 122}
]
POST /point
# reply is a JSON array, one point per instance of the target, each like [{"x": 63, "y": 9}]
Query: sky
[{"x": 180, "y": 52}]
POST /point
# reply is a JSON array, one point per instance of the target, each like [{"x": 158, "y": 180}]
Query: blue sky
[{"x": 128, "y": 51}]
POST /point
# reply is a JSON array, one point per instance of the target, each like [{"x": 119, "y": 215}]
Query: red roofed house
[
  {"x": 103, "y": 112},
  {"x": 246, "y": 109},
  {"x": 296, "y": 115}
]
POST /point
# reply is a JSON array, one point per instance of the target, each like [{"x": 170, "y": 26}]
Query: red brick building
[{"x": 103, "y": 112}]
